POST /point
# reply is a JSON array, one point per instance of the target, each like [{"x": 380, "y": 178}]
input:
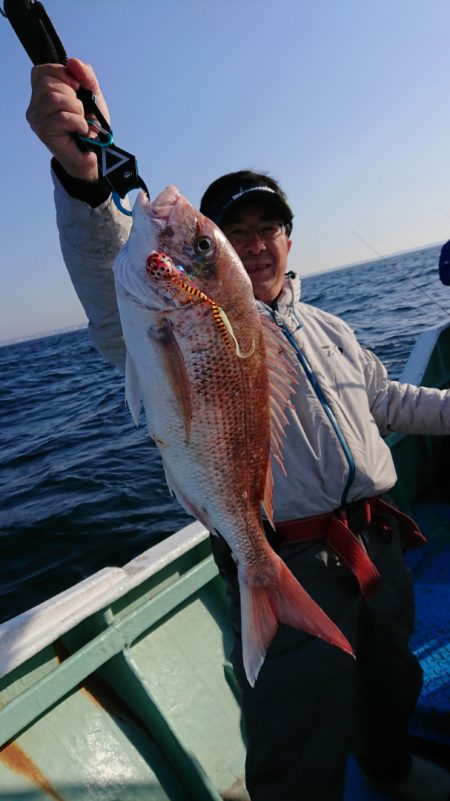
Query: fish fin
[
  {"x": 186, "y": 503},
  {"x": 259, "y": 624},
  {"x": 176, "y": 370},
  {"x": 262, "y": 608},
  {"x": 169, "y": 481},
  {"x": 267, "y": 501},
  {"x": 133, "y": 394},
  {"x": 282, "y": 369}
]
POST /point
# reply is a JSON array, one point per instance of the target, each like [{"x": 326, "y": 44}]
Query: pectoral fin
[{"x": 175, "y": 368}]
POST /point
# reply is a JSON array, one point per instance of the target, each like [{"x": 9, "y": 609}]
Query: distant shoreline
[
  {"x": 375, "y": 258},
  {"x": 82, "y": 326},
  {"x": 42, "y": 335}
]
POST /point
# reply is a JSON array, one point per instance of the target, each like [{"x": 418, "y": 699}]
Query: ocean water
[{"x": 81, "y": 488}]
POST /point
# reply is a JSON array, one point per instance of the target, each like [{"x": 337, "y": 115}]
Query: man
[
  {"x": 444, "y": 264},
  {"x": 309, "y": 697}
]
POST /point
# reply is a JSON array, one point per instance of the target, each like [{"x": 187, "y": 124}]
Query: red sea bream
[{"x": 215, "y": 376}]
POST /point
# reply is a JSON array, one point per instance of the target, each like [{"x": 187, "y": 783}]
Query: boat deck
[{"x": 431, "y": 641}]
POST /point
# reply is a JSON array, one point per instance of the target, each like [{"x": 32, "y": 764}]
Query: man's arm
[
  {"x": 90, "y": 240},
  {"x": 404, "y": 407},
  {"x": 55, "y": 114},
  {"x": 91, "y": 229}
]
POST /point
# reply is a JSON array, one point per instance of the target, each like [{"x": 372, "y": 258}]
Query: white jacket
[{"x": 344, "y": 402}]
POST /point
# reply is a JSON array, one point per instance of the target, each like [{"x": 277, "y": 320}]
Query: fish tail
[{"x": 284, "y": 601}]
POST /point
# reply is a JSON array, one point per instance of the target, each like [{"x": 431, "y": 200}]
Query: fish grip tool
[{"x": 117, "y": 168}]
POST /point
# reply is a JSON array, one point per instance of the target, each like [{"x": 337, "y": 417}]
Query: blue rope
[
  {"x": 117, "y": 202},
  {"x": 326, "y": 407}
]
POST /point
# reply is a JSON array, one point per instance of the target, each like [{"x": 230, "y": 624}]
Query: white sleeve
[
  {"x": 404, "y": 407},
  {"x": 90, "y": 240}
]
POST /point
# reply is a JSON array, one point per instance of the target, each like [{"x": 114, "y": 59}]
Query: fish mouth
[
  {"x": 175, "y": 226},
  {"x": 161, "y": 213},
  {"x": 160, "y": 210}
]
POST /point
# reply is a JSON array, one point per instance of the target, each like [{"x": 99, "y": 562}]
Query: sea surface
[{"x": 81, "y": 488}]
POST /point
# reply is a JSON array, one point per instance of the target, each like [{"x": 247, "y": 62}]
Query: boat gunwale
[
  {"x": 420, "y": 356},
  {"x": 25, "y": 635}
]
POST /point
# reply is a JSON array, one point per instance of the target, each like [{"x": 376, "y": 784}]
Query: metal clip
[{"x": 117, "y": 167}]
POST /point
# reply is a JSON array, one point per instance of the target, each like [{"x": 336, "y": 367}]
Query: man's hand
[{"x": 55, "y": 113}]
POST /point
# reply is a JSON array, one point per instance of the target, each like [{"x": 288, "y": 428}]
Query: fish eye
[{"x": 204, "y": 246}]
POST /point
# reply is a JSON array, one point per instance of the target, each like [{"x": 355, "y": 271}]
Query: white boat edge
[
  {"x": 420, "y": 355},
  {"x": 26, "y": 634}
]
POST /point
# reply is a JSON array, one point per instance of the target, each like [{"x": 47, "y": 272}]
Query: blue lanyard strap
[{"x": 326, "y": 407}]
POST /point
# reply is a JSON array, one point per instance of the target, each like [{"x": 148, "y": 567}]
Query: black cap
[{"x": 233, "y": 189}]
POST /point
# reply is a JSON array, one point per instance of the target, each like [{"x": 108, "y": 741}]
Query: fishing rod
[
  {"x": 408, "y": 278},
  {"x": 117, "y": 168}
]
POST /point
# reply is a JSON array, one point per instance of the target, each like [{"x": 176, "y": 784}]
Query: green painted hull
[
  {"x": 133, "y": 701},
  {"x": 119, "y": 689}
]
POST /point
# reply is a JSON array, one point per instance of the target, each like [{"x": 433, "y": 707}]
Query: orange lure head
[{"x": 177, "y": 246}]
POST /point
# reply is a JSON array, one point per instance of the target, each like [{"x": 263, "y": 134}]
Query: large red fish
[{"x": 214, "y": 375}]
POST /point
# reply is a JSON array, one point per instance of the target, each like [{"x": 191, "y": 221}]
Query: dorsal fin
[{"x": 282, "y": 366}]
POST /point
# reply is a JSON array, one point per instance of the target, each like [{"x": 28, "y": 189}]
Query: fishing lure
[{"x": 159, "y": 264}]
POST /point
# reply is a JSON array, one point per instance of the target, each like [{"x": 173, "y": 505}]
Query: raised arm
[
  {"x": 55, "y": 114},
  {"x": 91, "y": 229}
]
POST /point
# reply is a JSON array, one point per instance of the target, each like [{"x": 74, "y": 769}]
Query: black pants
[{"x": 311, "y": 700}]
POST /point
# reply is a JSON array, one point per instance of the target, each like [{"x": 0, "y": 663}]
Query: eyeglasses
[{"x": 267, "y": 231}]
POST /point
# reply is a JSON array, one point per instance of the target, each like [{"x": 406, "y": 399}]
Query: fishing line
[{"x": 408, "y": 278}]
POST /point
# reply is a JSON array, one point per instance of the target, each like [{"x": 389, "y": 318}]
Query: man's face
[{"x": 264, "y": 258}]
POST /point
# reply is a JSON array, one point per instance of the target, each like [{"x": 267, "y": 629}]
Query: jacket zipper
[{"x": 309, "y": 372}]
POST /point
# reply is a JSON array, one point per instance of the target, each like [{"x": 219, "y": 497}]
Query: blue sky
[{"x": 346, "y": 102}]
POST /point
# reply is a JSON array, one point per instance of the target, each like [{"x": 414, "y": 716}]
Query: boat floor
[{"x": 430, "y": 727}]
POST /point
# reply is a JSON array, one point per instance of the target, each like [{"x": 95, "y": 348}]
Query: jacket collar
[
  {"x": 285, "y": 306},
  {"x": 290, "y": 291}
]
